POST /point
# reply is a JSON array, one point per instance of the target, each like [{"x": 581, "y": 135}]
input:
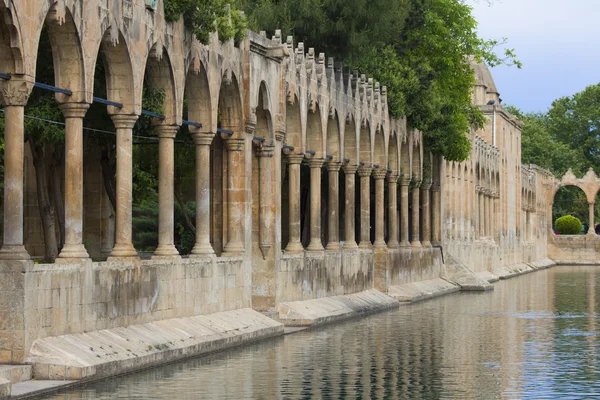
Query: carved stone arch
[
  {"x": 333, "y": 136},
  {"x": 364, "y": 140},
  {"x": 67, "y": 54},
  {"x": 230, "y": 106},
  {"x": 199, "y": 96},
  {"x": 393, "y": 156},
  {"x": 160, "y": 76},
  {"x": 314, "y": 132},
  {"x": 118, "y": 72},
  {"x": 264, "y": 116},
  {"x": 405, "y": 157},
  {"x": 350, "y": 150},
  {"x": 417, "y": 162},
  {"x": 379, "y": 148},
  {"x": 293, "y": 124},
  {"x": 11, "y": 46}
]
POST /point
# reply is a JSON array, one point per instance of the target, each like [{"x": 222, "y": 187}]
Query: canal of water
[{"x": 534, "y": 336}]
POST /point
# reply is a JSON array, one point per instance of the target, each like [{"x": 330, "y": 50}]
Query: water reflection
[{"x": 533, "y": 337}]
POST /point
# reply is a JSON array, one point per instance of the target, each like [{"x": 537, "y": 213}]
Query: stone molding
[{"x": 15, "y": 92}]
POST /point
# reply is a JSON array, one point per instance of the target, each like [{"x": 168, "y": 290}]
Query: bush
[{"x": 568, "y": 225}]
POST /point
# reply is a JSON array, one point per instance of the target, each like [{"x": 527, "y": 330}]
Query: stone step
[{"x": 15, "y": 373}]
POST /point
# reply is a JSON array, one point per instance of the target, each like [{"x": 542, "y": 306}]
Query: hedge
[{"x": 568, "y": 225}]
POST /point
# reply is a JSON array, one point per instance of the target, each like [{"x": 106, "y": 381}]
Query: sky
[{"x": 557, "y": 41}]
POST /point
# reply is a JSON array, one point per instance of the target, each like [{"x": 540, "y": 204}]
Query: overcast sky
[{"x": 558, "y": 42}]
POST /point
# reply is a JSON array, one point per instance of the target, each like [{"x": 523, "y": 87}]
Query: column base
[
  {"x": 365, "y": 245},
  {"x": 426, "y": 244},
  {"x": 415, "y": 244},
  {"x": 233, "y": 249},
  {"x": 405, "y": 244},
  {"x": 166, "y": 252},
  {"x": 14, "y": 252},
  {"x": 438, "y": 244},
  {"x": 72, "y": 254},
  {"x": 393, "y": 245},
  {"x": 315, "y": 245},
  {"x": 201, "y": 250},
  {"x": 123, "y": 252},
  {"x": 380, "y": 244},
  {"x": 334, "y": 246},
  {"x": 294, "y": 248},
  {"x": 350, "y": 245}
]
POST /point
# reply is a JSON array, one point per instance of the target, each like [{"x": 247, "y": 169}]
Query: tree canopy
[{"x": 419, "y": 49}]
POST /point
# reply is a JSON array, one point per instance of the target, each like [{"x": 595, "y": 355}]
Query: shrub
[{"x": 568, "y": 225}]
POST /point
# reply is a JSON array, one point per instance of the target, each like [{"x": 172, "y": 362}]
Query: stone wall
[{"x": 574, "y": 249}]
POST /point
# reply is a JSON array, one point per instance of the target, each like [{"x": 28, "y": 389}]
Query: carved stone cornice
[
  {"x": 316, "y": 162},
  {"x": 166, "y": 131},
  {"x": 350, "y": 169},
  {"x": 334, "y": 166},
  {"x": 294, "y": 158}
]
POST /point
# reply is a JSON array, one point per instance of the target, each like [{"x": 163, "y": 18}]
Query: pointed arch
[
  {"x": 364, "y": 150},
  {"x": 350, "y": 149},
  {"x": 11, "y": 53},
  {"x": 264, "y": 121},
  {"x": 314, "y": 134},
  {"x": 118, "y": 72},
  {"x": 293, "y": 127},
  {"x": 230, "y": 106},
  {"x": 159, "y": 74},
  {"x": 198, "y": 96},
  {"x": 379, "y": 153},
  {"x": 333, "y": 137}
]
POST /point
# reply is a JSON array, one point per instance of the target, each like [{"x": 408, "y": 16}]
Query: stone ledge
[
  {"x": 418, "y": 291},
  {"x": 488, "y": 276},
  {"x": 508, "y": 271},
  {"x": 329, "y": 309},
  {"x": 5, "y": 388},
  {"x": 109, "y": 352}
]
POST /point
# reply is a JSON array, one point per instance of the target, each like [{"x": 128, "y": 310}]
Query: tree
[{"x": 419, "y": 49}]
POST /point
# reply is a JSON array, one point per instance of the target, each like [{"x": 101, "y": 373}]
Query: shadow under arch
[{"x": 11, "y": 53}]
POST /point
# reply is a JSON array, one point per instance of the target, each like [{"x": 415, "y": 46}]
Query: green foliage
[
  {"x": 419, "y": 49},
  {"x": 568, "y": 225},
  {"x": 206, "y": 16}
]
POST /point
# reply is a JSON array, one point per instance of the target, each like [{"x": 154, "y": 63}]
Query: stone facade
[{"x": 379, "y": 211}]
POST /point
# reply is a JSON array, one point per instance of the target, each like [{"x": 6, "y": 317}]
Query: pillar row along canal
[{"x": 312, "y": 204}]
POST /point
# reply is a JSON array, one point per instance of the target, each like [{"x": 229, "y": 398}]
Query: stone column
[
  {"x": 15, "y": 94},
  {"x": 333, "y": 241},
  {"x": 315, "y": 165},
  {"x": 73, "y": 250},
  {"x": 404, "y": 183},
  {"x": 591, "y": 229},
  {"x": 488, "y": 210},
  {"x": 294, "y": 244},
  {"x": 426, "y": 215},
  {"x": 166, "y": 189},
  {"x": 379, "y": 176},
  {"x": 265, "y": 215},
  {"x": 235, "y": 197},
  {"x": 365, "y": 210},
  {"x": 392, "y": 181},
  {"x": 436, "y": 214},
  {"x": 416, "y": 240},
  {"x": 481, "y": 212},
  {"x": 123, "y": 240},
  {"x": 350, "y": 240},
  {"x": 202, "y": 247}
]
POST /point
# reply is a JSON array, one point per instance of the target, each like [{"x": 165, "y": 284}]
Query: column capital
[
  {"x": 364, "y": 171},
  {"x": 74, "y": 110},
  {"x": 316, "y": 162},
  {"x": 405, "y": 180},
  {"x": 294, "y": 158},
  {"x": 166, "y": 131},
  {"x": 379, "y": 174},
  {"x": 265, "y": 150},
  {"x": 435, "y": 188},
  {"x": 334, "y": 166},
  {"x": 124, "y": 121},
  {"x": 280, "y": 135},
  {"x": 234, "y": 144},
  {"x": 203, "y": 138},
  {"x": 417, "y": 184},
  {"x": 426, "y": 186},
  {"x": 15, "y": 92},
  {"x": 350, "y": 169},
  {"x": 392, "y": 178}
]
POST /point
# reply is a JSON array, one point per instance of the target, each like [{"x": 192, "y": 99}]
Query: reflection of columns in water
[
  {"x": 379, "y": 176},
  {"x": 350, "y": 206},
  {"x": 365, "y": 211},
  {"x": 333, "y": 240},
  {"x": 315, "y": 205},
  {"x": 123, "y": 234},
  {"x": 202, "y": 245},
  {"x": 15, "y": 97},
  {"x": 166, "y": 213},
  {"x": 294, "y": 244},
  {"x": 235, "y": 197},
  {"x": 425, "y": 198},
  {"x": 416, "y": 240},
  {"x": 436, "y": 230},
  {"x": 73, "y": 249},
  {"x": 392, "y": 181},
  {"x": 404, "y": 183},
  {"x": 265, "y": 153}
]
